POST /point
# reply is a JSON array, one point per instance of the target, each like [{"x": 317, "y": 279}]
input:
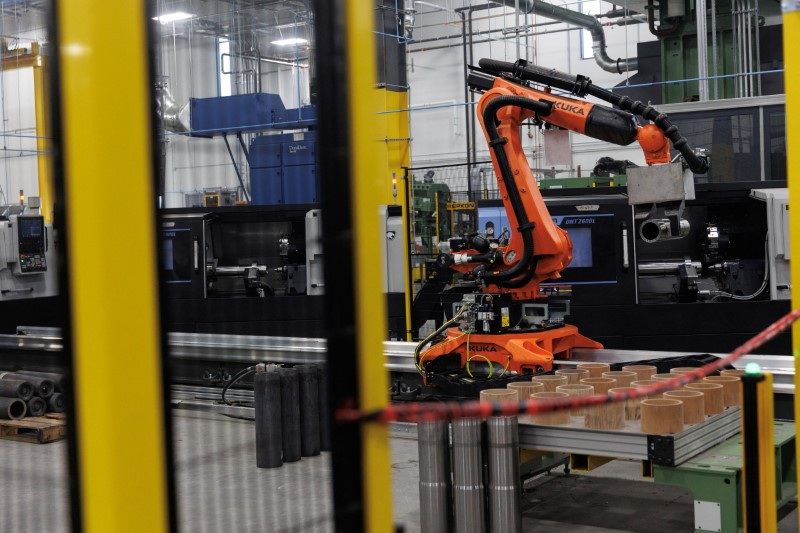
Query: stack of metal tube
[
  {"x": 480, "y": 490},
  {"x": 30, "y": 393},
  {"x": 291, "y": 414}
]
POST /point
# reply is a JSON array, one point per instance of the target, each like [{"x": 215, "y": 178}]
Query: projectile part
[
  {"x": 504, "y": 481},
  {"x": 269, "y": 439},
  {"x": 56, "y": 403},
  {"x": 12, "y": 408},
  {"x": 42, "y": 387},
  {"x": 468, "y": 477},
  {"x": 434, "y": 473},
  {"x": 16, "y": 388},
  {"x": 324, "y": 412},
  {"x": 659, "y": 229},
  {"x": 36, "y": 406},
  {"x": 309, "y": 410},
  {"x": 290, "y": 407},
  {"x": 58, "y": 379}
]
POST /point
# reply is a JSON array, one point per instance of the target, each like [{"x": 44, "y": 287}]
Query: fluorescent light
[
  {"x": 286, "y": 42},
  {"x": 173, "y": 17}
]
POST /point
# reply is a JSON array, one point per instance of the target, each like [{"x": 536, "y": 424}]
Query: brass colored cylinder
[
  {"x": 624, "y": 378},
  {"x": 576, "y": 390},
  {"x": 525, "y": 389},
  {"x": 601, "y": 385},
  {"x": 554, "y": 418},
  {"x": 595, "y": 369},
  {"x": 682, "y": 369},
  {"x": 731, "y": 389},
  {"x": 661, "y": 416},
  {"x": 550, "y": 381},
  {"x": 642, "y": 371},
  {"x": 663, "y": 377},
  {"x": 574, "y": 375},
  {"x": 645, "y": 382},
  {"x": 713, "y": 400},
  {"x": 694, "y": 411},
  {"x": 499, "y": 396},
  {"x": 735, "y": 372},
  {"x": 608, "y": 416}
]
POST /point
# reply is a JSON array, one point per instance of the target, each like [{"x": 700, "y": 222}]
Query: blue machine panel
[
  {"x": 265, "y": 155},
  {"x": 299, "y": 153},
  {"x": 266, "y": 186},
  {"x": 300, "y": 184},
  {"x": 241, "y": 112}
]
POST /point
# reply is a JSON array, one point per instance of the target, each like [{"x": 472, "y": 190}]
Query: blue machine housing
[
  {"x": 246, "y": 113},
  {"x": 283, "y": 169}
]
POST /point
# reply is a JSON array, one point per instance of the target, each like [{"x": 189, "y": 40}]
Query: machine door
[
  {"x": 183, "y": 257},
  {"x": 602, "y": 270}
]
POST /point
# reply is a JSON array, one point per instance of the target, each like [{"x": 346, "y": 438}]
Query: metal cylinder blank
[
  {"x": 56, "y": 403},
  {"x": 290, "y": 407},
  {"x": 309, "y": 410},
  {"x": 434, "y": 474},
  {"x": 59, "y": 381},
  {"x": 16, "y": 388},
  {"x": 36, "y": 406},
  {"x": 504, "y": 481},
  {"x": 12, "y": 408},
  {"x": 42, "y": 387},
  {"x": 324, "y": 412},
  {"x": 269, "y": 440},
  {"x": 468, "y": 477}
]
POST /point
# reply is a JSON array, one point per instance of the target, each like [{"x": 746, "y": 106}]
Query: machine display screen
[
  {"x": 592, "y": 239},
  {"x": 31, "y": 235},
  {"x": 177, "y": 255}
]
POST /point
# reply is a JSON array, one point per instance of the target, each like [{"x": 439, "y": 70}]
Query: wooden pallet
[{"x": 37, "y": 429}]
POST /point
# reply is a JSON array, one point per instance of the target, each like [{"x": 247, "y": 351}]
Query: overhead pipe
[{"x": 587, "y": 22}]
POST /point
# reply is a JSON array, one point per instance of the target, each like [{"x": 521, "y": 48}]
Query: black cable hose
[
  {"x": 506, "y": 277},
  {"x": 581, "y": 86},
  {"x": 236, "y": 377}
]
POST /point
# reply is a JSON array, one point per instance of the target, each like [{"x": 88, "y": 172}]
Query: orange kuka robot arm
[{"x": 538, "y": 249}]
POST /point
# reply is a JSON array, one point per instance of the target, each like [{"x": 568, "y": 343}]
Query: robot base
[{"x": 523, "y": 353}]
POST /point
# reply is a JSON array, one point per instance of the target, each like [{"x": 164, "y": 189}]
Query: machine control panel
[{"x": 31, "y": 244}]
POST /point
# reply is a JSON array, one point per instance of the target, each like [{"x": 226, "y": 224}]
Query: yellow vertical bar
[
  {"x": 368, "y": 185},
  {"x": 104, "y": 83},
  {"x": 766, "y": 458},
  {"x": 44, "y": 159},
  {"x": 791, "y": 80}
]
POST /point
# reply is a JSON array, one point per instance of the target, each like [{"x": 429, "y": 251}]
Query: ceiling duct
[{"x": 588, "y": 22}]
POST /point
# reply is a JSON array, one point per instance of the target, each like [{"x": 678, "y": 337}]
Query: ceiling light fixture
[
  {"x": 293, "y": 40},
  {"x": 173, "y": 17}
]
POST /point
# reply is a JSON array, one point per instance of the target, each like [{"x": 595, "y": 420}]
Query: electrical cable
[
  {"x": 426, "y": 340},
  {"x": 763, "y": 282},
  {"x": 236, "y": 377}
]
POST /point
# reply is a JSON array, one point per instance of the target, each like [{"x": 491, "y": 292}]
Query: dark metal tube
[
  {"x": 468, "y": 477},
  {"x": 309, "y": 410},
  {"x": 324, "y": 411},
  {"x": 12, "y": 408},
  {"x": 434, "y": 474},
  {"x": 59, "y": 381},
  {"x": 269, "y": 441},
  {"x": 290, "y": 407},
  {"x": 36, "y": 406},
  {"x": 42, "y": 387},
  {"x": 504, "y": 481},
  {"x": 56, "y": 403},
  {"x": 16, "y": 388}
]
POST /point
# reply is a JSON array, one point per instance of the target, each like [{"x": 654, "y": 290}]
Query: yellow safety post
[
  {"x": 367, "y": 185},
  {"x": 111, "y": 265},
  {"x": 760, "y": 510},
  {"x": 791, "y": 80}
]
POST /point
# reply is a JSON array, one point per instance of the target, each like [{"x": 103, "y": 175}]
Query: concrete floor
[{"x": 219, "y": 490}]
